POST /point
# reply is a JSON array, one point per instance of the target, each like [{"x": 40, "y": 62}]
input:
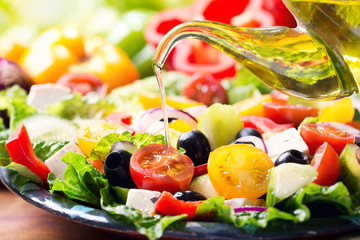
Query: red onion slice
[
  {"x": 249, "y": 208},
  {"x": 156, "y": 114},
  {"x": 256, "y": 141}
]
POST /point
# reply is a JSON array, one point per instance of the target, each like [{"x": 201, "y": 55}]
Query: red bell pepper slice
[
  {"x": 160, "y": 24},
  {"x": 168, "y": 205},
  {"x": 282, "y": 15},
  {"x": 264, "y": 125},
  {"x": 21, "y": 152},
  {"x": 200, "y": 170},
  {"x": 199, "y": 57},
  {"x": 245, "y": 13}
]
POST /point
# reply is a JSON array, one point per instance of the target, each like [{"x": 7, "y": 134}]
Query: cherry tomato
[
  {"x": 288, "y": 113},
  {"x": 239, "y": 171},
  {"x": 264, "y": 125},
  {"x": 83, "y": 83},
  {"x": 119, "y": 118},
  {"x": 90, "y": 134},
  {"x": 315, "y": 134},
  {"x": 153, "y": 168},
  {"x": 326, "y": 161},
  {"x": 204, "y": 88}
]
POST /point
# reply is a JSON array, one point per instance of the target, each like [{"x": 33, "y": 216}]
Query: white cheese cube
[
  {"x": 286, "y": 140},
  {"x": 142, "y": 200},
  {"x": 54, "y": 163},
  {"x": 43, "y": 95}
]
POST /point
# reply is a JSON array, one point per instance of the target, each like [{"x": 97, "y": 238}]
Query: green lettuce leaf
[
  {"x": 102, "y": 148},
  {"x": 15, "y": 92},
  {"x": 82, "y": 181},
  {"x": 297, "y": 208},
  {"x": 14, "y": 101},
  {"x": 77, "y": 106},
  {"x": 152, "y": 226},
  {"x": 44, "y": 150}
]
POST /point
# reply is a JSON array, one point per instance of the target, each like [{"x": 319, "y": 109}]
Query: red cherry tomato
[
  {"x": 168, "y": 205},
  {"x": 83, "y": 83},
  {"x": 327, "y": 163},
  {"x": 153, "y": 168},
  {"x": 288, "y": 113},
  {"x": 119, "y": 118},
  {"x": 315, "y": 134},
  {"x": 205, "y": 89},
  {"x": 264, "y": 125}
]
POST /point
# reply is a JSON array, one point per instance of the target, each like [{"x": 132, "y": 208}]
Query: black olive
[
  {"x": 196, "y": 145},
  {"x": 292, "y": 156},
  {"x": 189, "y": 196},
  {"x": 117, "y": 169},
  {"x": 247, "y": 131}
]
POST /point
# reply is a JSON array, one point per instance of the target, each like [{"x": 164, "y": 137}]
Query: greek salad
[{"x": 246, "y": 162}]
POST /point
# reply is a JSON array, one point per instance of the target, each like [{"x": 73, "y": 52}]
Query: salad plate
[{"x": 316, "y": 228}]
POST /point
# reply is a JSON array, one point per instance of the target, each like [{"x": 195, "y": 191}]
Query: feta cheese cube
[
  {"x": 142, "y": 200},
  {"x": 286, "y": 140},
  {"x": 54, "y": 163},
  {"x": 43, "y": 95}
]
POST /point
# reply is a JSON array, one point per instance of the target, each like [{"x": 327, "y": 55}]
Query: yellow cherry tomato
[
  {"x": 340, "y": 111},
  {"x": 239, "y": 171},
  {"x": 90, "y": 134},
  {"x": 252, "y": 106},
  {"x": 110, "y": 63},
  {"x": 150, "y": 100}
]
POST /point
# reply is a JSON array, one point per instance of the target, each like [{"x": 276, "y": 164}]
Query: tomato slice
[
  {"x": 153, "y": 168},
  {"x": 239, "y": 171},
  {"x": 315, "y": 134},
  {"x": 264, "y": 125},
  {"x": 327, "y": 162},
  {"x": 83, "y": 83},
  {"x": 288, "y": 113},
  {"x": 168, "y": 205},
  {"x": 205, "y": 89}
]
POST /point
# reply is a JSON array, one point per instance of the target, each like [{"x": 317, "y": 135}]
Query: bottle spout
[{"x": 286, "y": 59}]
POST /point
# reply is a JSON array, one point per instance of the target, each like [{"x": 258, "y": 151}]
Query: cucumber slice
[
  {"x": 203, "y": 185},
  {"x": 50, "y": 128},
  {"x": 350, "y": 168},
  {"x": 286, "y": 179},
  {"x": 220, "y": 124}
]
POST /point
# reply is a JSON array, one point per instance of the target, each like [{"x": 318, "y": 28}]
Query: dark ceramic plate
[{"x": 318, "y": 228}]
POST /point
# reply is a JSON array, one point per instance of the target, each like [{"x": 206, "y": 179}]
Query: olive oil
[{"x": 317, "y": 60}]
